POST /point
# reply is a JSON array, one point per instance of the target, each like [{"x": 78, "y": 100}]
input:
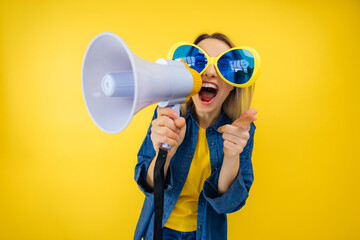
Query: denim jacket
[{"x": 212, "y": 207}]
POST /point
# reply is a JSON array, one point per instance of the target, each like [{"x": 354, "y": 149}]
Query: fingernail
[{"x": 175, "y": 115}]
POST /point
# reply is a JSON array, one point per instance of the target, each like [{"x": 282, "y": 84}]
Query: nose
[{"x": 210, "y": 72}]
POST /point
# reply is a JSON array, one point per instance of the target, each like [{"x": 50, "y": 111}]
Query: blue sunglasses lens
[
  {"x": 193, "y": 56},
  {"x": 237, "y": 66}
]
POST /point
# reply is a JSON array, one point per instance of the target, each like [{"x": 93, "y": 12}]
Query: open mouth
[{"x": 208, "y": 93}]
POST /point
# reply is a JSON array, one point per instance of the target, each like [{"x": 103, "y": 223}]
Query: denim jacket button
[
  {"x": 189, "y": 155},
  {"x": 200, "y": 227},
  {"x": 212, "y": 143},
  {"x": 181, "y": 180}
]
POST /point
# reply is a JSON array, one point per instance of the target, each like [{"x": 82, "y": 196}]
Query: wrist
[
  {"x": 228, "y": 173},
  {"x": 231, "y": 158}
]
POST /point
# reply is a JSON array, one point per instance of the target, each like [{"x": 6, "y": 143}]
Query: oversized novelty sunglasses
[{"x": 237, "y": 66}]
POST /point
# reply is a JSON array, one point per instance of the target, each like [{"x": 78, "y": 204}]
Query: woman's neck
[{"x": 206, "y": 120}]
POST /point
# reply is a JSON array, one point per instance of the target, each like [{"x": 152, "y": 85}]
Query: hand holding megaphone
[{"x": 167, "y": 128}]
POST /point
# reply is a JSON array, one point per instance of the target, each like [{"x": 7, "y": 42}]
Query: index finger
[
  {"x": 246, "y": 118},
  {"x": 167, "y": 111}
]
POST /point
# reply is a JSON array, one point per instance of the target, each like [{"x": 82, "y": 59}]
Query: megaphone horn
[{"x": 117, "y": 84}]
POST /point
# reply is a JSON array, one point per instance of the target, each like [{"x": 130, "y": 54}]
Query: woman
[{"x": 209, "y": 170}]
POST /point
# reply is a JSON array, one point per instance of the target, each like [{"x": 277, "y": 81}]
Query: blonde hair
[{"x": 239, "y": 99}]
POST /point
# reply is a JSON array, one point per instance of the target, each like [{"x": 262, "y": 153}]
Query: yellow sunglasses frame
[{"x": 213, "y": 60}]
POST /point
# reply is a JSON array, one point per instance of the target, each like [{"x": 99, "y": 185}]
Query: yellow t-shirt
[{"x": 184, "y": 215}]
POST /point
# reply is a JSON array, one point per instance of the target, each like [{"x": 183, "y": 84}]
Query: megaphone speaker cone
[{"x": 108, "y": 53}]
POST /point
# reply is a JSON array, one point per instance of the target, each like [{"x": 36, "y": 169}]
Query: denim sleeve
[
  {"x": 145, "y": 155},
  {"x": 235, "y": 197}
]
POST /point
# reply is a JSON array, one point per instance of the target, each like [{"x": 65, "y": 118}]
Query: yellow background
[{"x": 63, "y": 178}]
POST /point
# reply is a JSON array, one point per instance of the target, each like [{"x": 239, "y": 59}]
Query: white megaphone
[{"x": 117, "y": 84}]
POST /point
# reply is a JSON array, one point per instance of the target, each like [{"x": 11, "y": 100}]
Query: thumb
[
  {"x": 180, "y": 122},
  {"x": 246, "y": 118}
]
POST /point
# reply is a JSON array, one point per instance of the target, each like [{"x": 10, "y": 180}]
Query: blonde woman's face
[{"x": 214, "y": 90}]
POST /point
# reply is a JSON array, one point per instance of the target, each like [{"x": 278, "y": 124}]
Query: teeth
[{"x": 209, "y": 85}]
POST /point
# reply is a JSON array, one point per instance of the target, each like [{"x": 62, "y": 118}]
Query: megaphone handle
[
  {"x": 176, "y": 108},
  {"x": 159, "y": 184}
]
